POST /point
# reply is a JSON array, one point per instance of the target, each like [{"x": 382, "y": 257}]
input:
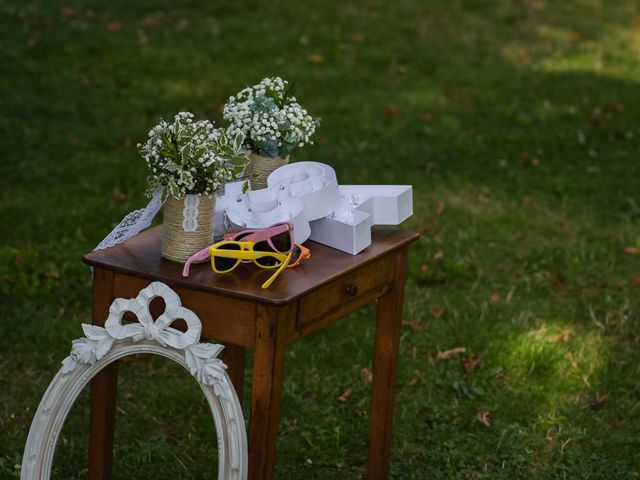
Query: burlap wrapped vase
[
  {"x": 189, "y": 226},
  {"x": 260, "y": 167}
]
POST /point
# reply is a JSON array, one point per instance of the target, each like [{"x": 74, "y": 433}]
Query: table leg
[
  {"x": 103, "y": 389},
  {"x": 234, "y": 356},
  {"x": 388, "y": 321},
  {"x": 268, "y": 371},
  {"x": 102, "y": 422}
]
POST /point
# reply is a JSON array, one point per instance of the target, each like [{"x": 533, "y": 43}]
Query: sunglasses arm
[
  {"x": 259, "y": 235},
  {"x": 199, "y": 257},
  {"x": 268, "y": 283}
]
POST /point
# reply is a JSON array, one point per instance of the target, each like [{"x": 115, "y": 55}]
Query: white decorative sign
[
  {"x": 307, "y": 194},
  {"x": 387, "y": 204},
  {"x": 262, "y": 208},
  {"x": 362, "y": 206},
  {"x": 312, "y": 182},
  {"x": 296, "y": 193},
  {"x": 102, "y": 346},
  {"x": 346, "y": 231}
]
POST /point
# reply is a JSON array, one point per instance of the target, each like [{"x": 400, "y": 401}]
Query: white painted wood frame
[{"x": 102, "y": 346}]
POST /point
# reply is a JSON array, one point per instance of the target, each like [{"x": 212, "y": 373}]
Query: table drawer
[{"x": 346, "y": 290}]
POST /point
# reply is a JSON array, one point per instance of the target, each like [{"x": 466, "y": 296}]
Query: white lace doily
[{"x": 134, "y": 222}]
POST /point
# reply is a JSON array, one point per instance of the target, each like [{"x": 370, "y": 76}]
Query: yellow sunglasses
[{"x": 227, "y": 255}]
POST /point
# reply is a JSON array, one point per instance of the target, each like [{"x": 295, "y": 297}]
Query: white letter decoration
[
  {"x": 362, "y": 206},
  {"x": 307, "y": 195},
  {"x": 102, "y": 346},
  {"x": 297, "y": 193}
]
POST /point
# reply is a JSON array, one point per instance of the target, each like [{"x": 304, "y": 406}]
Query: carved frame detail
[{"x": 102, "y": 346}]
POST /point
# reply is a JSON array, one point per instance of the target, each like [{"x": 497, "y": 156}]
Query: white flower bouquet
[
  {"x": 191, "y": 157},
  {"x": 270, "y": 119},
  {"x": 191, "y": 161}
]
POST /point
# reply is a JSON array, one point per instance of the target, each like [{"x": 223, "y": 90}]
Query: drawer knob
[{"x": 351, "y": 289}]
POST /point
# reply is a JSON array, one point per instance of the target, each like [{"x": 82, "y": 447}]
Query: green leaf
[
  {"x": 187, "y": 178},
  {"x": 237, "y": 142},
  {"x": 199, "y": 151},
  {"x": 227, "y": 151},
  {"x": 239, "y": 160},
  {"x": 173, "y": 189},
  {"x": 185, "y": 153},
  {"x": 171, "y": 166}
]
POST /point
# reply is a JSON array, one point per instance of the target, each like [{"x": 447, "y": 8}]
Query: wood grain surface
[{"x": 140, "y": 256}]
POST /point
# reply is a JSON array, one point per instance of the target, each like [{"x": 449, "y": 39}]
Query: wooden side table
[{"x": 236, "y": 311}]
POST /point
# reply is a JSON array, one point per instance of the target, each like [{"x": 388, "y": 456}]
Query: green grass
[{"x": 520, "y": 119}]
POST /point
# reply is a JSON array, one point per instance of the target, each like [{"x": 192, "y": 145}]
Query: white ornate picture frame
[{"x": 102, "y": 346}]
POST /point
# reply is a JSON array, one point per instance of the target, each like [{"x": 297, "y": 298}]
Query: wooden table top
[{"x": 140, "y": 257}]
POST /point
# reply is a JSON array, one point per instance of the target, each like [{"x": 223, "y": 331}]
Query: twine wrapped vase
[
  {"x": 260, "y": 167},
  {"x": 189, "y": 226}
]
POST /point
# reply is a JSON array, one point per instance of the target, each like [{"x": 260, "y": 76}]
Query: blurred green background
[{"x": 516, "y": 122}]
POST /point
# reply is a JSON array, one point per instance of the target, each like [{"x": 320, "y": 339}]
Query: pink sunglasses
[{"x": 278, "y": 238}]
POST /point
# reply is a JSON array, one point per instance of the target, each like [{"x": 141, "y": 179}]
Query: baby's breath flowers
[
  {"x": 191, "y": 157},
  {"x": 270, "y": 118}
]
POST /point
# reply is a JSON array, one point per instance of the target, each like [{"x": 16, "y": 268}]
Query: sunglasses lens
[
  {"x": 295, "y": 254},
  {"x": 282, "y": 242},
  {"x": 224, "y": 264},
  {"x": 268, "y": 262}
]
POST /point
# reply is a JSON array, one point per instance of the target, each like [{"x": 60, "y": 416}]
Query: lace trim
[
  {"x": 134, "y": 222},
  {"x": 190, "y": 213}
]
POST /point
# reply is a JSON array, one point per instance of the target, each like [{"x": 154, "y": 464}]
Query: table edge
[{"x": 231, "y": 293}]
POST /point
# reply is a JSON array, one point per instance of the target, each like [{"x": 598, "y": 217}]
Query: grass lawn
[{"x": 517, "y": 125}]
